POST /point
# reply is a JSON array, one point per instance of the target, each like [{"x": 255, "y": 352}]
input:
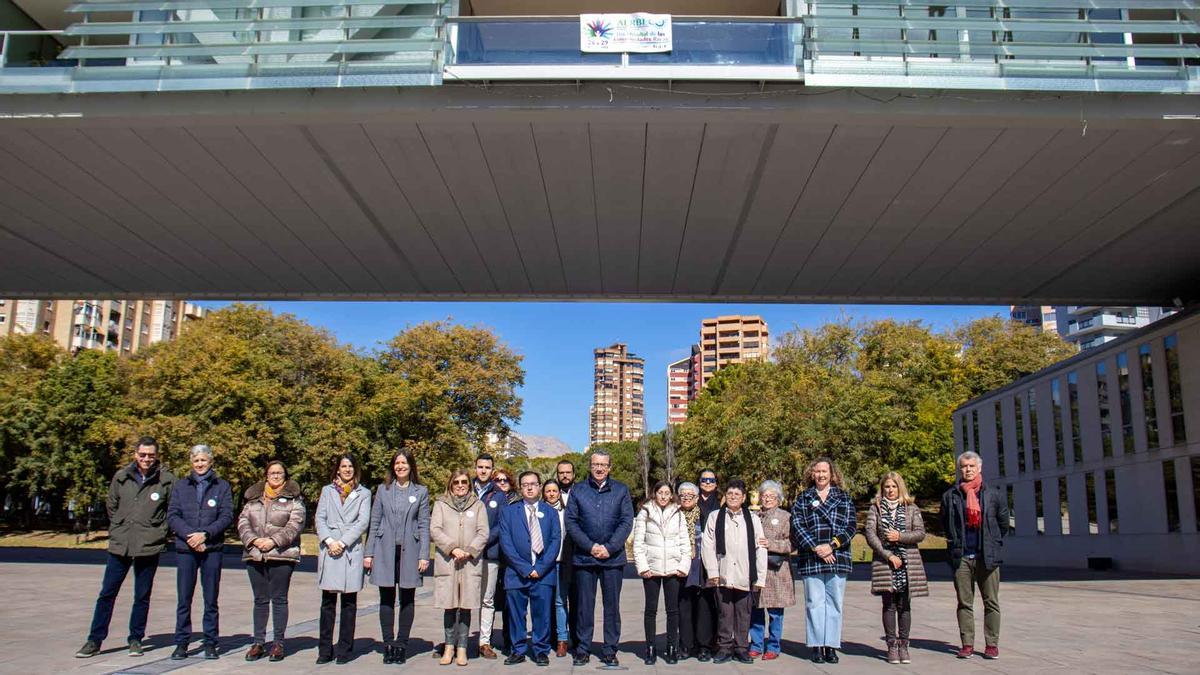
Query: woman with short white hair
[{"x": 780, "y": 590}]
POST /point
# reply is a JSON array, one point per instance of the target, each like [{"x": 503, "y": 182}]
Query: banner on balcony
[{"x": 638, "y": 32}]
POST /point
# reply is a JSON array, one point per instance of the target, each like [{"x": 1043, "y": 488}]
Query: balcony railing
[{"x": 192, "y": 45}]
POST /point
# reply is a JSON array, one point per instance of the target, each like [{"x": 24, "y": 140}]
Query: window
[
  {"x": 1171, "y": 347},
  {"x": 1093, "y": 518},
  {"x": 1126, "y": 403},
  {"x": 1034, "y": 452},
  {"x": 1020, "y": 428},
  {"x": 966, "y": 440},
  {"x": 1148, "y": 396},
  {"x": 1195, "y": 462},
  {"x": 975, "y": 430},
  {"x": 1105, "y": 413},
  {"x": 999, "y": 440},
  {"x": 1073, "y": 403},
  {"x": 1110, "y": 499},
  {"x": 1039, "y": 507},
  {"x": 1056, "y": 407},
  {"x": 1064, "y": 507},
  {"x": 1171, "y": 493},
  {"x": 1012, "y": 511}
]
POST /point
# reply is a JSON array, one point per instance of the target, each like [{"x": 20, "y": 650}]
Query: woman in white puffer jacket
[{"x": 662, "y": 551}]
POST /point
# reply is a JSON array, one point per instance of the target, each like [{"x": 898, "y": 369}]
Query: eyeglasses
[
  {"x": 147, "y": 455},
  {"x": 687, "y": 495},
  {"x": 530, "y": 485},
  {"x": 502, "y": 480},
  {"x": 276, "y": 473},
  {"x": 461, "y": 482},
  {"x": 708, "y": 480}
]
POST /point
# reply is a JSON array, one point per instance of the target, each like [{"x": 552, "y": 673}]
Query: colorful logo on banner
[{"x": 619, "y": 33}]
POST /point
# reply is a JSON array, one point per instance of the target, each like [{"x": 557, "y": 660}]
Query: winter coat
[
  {"x": 661, "y": 541},
  {"x": 458, "y": 586},
  {"x": 881, "y": 570},
  {"x": 992, "y": 531},
  {"x": 210, "y": 513},
  {"x": 279, "y": 520},
  {"x": 780, "y": 589},
  {"x": 734, "y": 567},
  {"x": 599, "y": 515},
  {"x": 399, "y": 517},
  {"x": 345, "y": 522},
  {"x": 137, "y": 512},
  {"x": 830, "y": 522}
]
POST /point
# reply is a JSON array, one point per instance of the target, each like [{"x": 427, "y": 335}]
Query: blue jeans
[
  {"x": 823, "y": 609},
  {"x": 115, "y": 571},
  {"x": 208, "y": 566},
  {"x": 562, "y": 627},
  {"x": 759, "y": 625}
]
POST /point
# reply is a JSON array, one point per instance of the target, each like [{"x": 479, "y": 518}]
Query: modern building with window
[
  {"x": 1040, "y": 317},
  {"x": 123, "y": 326},
  {"x": 619, "y": 402},
  {"x": 725, "y": 340},
  {"x": 1090, "y": 327},
  {"x": 682, "y": 385},
  {"x": 1099, "y": 455}
]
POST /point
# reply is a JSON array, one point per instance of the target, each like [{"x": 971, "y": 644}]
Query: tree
[{"x": 24, "y": 361}]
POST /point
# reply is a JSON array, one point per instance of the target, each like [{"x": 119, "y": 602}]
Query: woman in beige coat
[
  {"x": 459, "y": 530},
  {"x": 893, "y": 529},
  {"x": 269, "y": 528},
  {"x": 779, "y": 593}
]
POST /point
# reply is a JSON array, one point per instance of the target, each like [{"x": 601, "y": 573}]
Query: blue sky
[{"x": 556, "y": 340}]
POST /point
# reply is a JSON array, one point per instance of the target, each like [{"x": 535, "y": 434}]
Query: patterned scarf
[
  {"x": 344, "y": 489},
  {"x": 893, "y": 516},
  {"x": 692, "y": 516},
  {"x": 974, "y": 511}
]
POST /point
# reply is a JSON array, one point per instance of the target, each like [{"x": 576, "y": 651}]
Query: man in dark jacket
[
  {"x": 975, "y": 520},
  {"x": 599, "y": 518},
  {"x": 493, "y": 501},
  {"x": 137, "y": 534},
  {"x": 201, "y": 510}
]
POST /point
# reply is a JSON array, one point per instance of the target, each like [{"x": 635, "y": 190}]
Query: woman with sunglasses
[
  {"x": 398, "y": 551},
  {"x": 459, "y": 528}
]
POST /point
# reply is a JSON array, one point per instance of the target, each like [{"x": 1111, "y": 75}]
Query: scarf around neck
[
  {"x": 271, "y": 493},
  {"x": 750, "y": 542},
  {"x": 974, "y": 511},
  {"x": 344, "y": 489},
  {"x": 691, "y": 517}
]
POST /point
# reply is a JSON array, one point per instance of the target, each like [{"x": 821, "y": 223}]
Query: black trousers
[
  {"x": 189, "y": 565},
  {"x": 698, "y": 609},
  {"x": 609, "y": 579},
  {"x": 269, "y": 581},
  {"x": 329, "y": 601},
  {"x": 897, "y": 615},
  {"x": 670, "y": 590},
  {"x": 393, "y": 632}
]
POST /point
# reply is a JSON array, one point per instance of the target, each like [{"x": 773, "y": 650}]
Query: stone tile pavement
[{"x": 1054, "y": 621}]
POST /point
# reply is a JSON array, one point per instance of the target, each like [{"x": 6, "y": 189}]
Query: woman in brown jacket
[
  {"x": 269, "y": 528},
  {"x": 780, "y": 591},
  {"x": 893, "y": 529},
  {"x": 459, "y": 530}
]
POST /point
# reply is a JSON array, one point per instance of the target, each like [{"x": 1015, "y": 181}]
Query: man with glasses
[
  {"x": 493, "y": 500},
  {"x": 529, "y": 539},
  {"x": 599, "y": 519},
  {"x": 137, "y": 534}
]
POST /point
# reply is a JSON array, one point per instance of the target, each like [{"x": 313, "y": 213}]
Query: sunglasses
[
  {"x": 501, "y": 480},
  {"x": 708, "y": 480},
  {"x": 461, "y": 482}
]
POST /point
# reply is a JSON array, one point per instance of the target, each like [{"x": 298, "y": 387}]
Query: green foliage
[{"x": 874, "y": 396}]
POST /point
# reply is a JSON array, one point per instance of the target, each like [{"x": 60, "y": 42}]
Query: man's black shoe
[
  {"x": 88, "y": 650},
  {"x": 210, "y": 652},
  {"x": 322, "y": 659},
  {"x": 704, "y": 655},
  {"x": 180, "y": 653},
  {"x": 831, "y": 655},
  {"x": 400, "y": 655},
  {"x": 542, "y": 659},
  {"x": 514, "y": 659},
  {"x": 610, "y": 661},
  {"x": 742, "y": 657},
  {"x": 818, "y": 654},
  {"x": 580, "y": 660},
  {"x": 135, "y": 647},
  {"x": 721, "y": 657}
]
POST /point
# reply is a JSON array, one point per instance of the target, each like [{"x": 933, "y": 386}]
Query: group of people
[{"x": 539, "y": 551}]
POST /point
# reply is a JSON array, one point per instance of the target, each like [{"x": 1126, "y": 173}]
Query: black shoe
[
  {"x": 88, "y": 650},
  {"x": 400, "y": 655},
  {"x": 818, "y": 654},
  {"x": 210, "y": 652},
  {"x": 721, "y": 657},
  {"x": 742, "y": 657},
  {"x": 580, "y": 660},
  {"x": 322, "y": 659},
  {"x": 514, "y": 659},
  {"x": 610, "y": 661},
  {"x": 542, "y": 659},
  {"x": 831, "y": 655},
  {"x": 388, "y": 654},
  {"x": 684, "y": 654},
  {"x": 180, "y": 653},
  {"x": 135, "y": 647},
  {"x": 343, "y": 659},
  {"x": 672, "y": 656},
  {"x": 651, "y": 656},
  {"x": 704, "y": 655}
]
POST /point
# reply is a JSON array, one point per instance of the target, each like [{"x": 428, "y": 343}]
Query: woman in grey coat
[
  {"x": 342, "y": 517},
  {"x": 398, "y": 550}
]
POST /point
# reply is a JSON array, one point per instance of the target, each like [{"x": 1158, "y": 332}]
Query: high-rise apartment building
[
  {"x": 123, "y": 326},
  {"x": 683, "y": 377},
  {"x": 618, "y": 409},
  {"x": 1041, "y": 317},
  {"x": 726, "y": 340},
  {"x": 1089, "y": 327}
]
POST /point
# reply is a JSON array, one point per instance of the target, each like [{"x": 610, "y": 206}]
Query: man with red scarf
[{"x": 975, "y": 519}]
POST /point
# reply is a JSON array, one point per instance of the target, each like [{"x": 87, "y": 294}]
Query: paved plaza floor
[{"x": 1054, "y": 621}]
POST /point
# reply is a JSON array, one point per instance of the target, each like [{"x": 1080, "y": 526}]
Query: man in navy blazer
[{"x": 529, "y": 541}]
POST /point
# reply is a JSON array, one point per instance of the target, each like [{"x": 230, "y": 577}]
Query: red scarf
[{"x": 974, "y": 512}]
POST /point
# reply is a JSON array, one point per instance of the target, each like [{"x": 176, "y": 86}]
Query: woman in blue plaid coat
[{"x": 822, "y": 526}]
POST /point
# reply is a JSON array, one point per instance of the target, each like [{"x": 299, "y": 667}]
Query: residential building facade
[
  {"x": 1041, "y": 317},
  {"x": 1089, "y": 327},
  {"x": 683, "y": 377},
  {"x": 618, "y": 410},
  {"x": 726, "y": 340},
  {"x": 1099, "y": 455},
  {"x": 123, "y": 326}
]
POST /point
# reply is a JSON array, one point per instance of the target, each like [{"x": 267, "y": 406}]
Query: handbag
[{"x": 776, "y": 561}]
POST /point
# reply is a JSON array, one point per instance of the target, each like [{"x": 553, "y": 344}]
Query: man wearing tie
[{"x": 529, "y": 541}]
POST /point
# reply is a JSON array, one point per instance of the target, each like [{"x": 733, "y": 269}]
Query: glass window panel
[
  {"x": 1110, "y": 499},
  {"x": 1073, "y": 402},
  {"x": 1148, "y": 396},
  {"x": 1012, "y": 511},
  {"x": 1171, "y": 492},
  {"x": 1105, "y": 413},
  {"x": 1195, "y": 462},
  {"x": 1039, "y": 507},
  {"x": 1020, "y": 429},
  {"x": 1126, "y": 401},
  {"x": 1093, "y": 518},
  {"x": 1171, "y": 347},
  {"x": 975, "y": 430},
  {"x": 1056, "y": 406},
  {"x": 1064, "y": 507},
  {"x": 1034, "y": 450},
  {"x": 999, "y": 440}
]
